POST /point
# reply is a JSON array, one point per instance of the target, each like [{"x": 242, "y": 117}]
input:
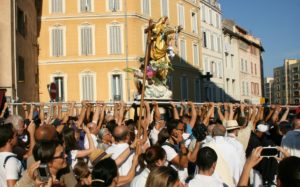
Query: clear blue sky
[{"x": 275, "y": 22}]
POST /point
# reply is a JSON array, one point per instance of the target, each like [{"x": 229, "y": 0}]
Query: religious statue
[{"x": 160, "y": 55}]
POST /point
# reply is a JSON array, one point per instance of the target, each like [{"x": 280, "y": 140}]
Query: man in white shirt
[
  {"x": 10, "y": 167},
  {"x": 291, "y": 141},
  {"x": 228, "y": 162},
  {"x": 93, "y": 129},
  {"x": 232, "y": 128},
  {"x": 122, "y": 137},
  {"x": 206, "y": 162}
]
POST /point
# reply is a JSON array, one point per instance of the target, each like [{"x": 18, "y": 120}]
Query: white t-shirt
[
  {"x": 74, "y": 157},
  {"x": 205, "y": 181},
  {"x": 116, "y": 150},
  {"x": 86, "y": 142},
  {"x": 12, "y": 168},
  {"x": 171, "y": 154},
  {"x": 141, "y": 179}
]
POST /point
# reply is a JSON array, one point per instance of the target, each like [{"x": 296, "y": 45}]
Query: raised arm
[
  {"x": 220, "y": 114},
  {"x": 286, "y": 113},
  {"x": 193, "y": 114},
  {"x": 175, "y": 111}
]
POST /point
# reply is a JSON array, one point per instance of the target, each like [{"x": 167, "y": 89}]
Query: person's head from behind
[
  {"x": 285, "y": 126},
  {"x": 218, "y": 130},
  {"x": 51, "y": 153},
  {"x": 163, "y": 177},
  {"x": 82, "y": 173},
  {"x": 154, "y": 156},
  {"x": 289, "y": 172},
  {"x": 206, "y": 161},
  {"x": 45, "y": 133},
  {"x": 8, "y": 136},
  {"x": 296, "y": 123},
  {"x": 105, "y": 173},
  {"x": 17, "y": 122},
  {"x": 121, "y": 134}
]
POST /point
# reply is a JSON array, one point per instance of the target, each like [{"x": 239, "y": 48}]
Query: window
[
  {"x": 197, "y": 90},
  {"x": 247, "y": 88},
  {"x": 217, "y": 20},
  {"x": 203, "y": 13},
  {"x": 233, "y": 86},
  {"x": 204, "y": 39},
  {"x": 206, "y": 64},
  {"x": 196, "y": 54},
  {"x": 182, "y": 51},
  {"x": 219, "y": 44},
  {"x": 212, "y": 42},
  {"x": 57, "y": 41},
  {"x": 231, "y": 61},
  {"x": 146, "y": 7},
  {"x": 59, "y": 81},
  {"x": 255, "y": 70},
  {"x": 144, "y": 38},
  {"x": 115, "y": 39},
  {"x": 220, "y": 70},
  {"x": 21, "y": 22},
  {"x": 86, "y": 40},
  {"x": 114, "y": 5},
  {"x": 242, "y": 65},
  {"x": 165, "y": 7},
  {"x": 243, "y": 88},
  {"x": 194, "y": 23},
  {"x": 251, "y": 67},
  {"x": 184, "y": 88},
  {"x": 88, "y": 86},
  {"x": 180, "y": 10},
  {"x": 21, "y": 69},
  {"x": 85, "y": 5},
  {"x": 210, "y": 17},
  {"x": 117, "y": 87},
  {"x": 246, "y": 66},
  {"x": 56, "y": 6}
]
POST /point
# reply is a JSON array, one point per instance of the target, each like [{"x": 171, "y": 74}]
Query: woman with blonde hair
[{"x": 163, "y": 177}]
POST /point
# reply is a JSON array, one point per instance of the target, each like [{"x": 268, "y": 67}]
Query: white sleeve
[
  {"x": 12, "y": 169},
  {"x": 171, "y": 153},
  {"x": 86, "y": 142}
]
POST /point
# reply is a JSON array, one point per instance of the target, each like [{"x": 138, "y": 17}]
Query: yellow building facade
[{"x": 85, "y": 45}]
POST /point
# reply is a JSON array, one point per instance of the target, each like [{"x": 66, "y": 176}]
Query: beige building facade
[
  {"x": 85, "y": 45},
  {"x": 287, "y": 82},
  {"x": 269, "y": 90},
  {"x": 19, "y": 50}
]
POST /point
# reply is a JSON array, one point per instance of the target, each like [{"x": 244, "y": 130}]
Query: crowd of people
[{"x": 170, "y": 145}]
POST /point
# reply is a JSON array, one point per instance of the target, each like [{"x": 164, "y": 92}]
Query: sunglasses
[{"x": 61, "y": 156}]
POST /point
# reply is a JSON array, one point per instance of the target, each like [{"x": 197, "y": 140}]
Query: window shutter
[
  {"x": 146, "y": 7},
  {"x": 164, "y": 5},
  {"x": 196, "y": 55}
]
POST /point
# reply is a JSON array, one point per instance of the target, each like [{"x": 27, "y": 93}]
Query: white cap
[{"x": 262, "y": 128}]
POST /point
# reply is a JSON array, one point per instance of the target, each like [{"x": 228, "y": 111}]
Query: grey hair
[
  {"x": 102, "y": 132},
  {"x": 14, "y": 120}
]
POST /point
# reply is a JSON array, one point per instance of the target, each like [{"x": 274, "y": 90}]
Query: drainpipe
[
  {"x": 126, "y": 50},
  {"x": 14, "y": 51}
]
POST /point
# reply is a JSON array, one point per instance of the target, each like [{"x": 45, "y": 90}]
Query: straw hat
[
  {"x": 98, "y": 155},
  {"x": 232, "y": 124}
]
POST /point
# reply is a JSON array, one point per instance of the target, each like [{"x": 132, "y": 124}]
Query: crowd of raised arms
[{"x": 207, "y": 145}]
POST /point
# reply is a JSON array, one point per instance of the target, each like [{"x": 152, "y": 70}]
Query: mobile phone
[
  {"x": 269, "y": 152},
  {"x": 44, "y": 172}
]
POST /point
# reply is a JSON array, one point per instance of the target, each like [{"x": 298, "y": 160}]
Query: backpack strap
[
  {"x": 172, "y": 146},
  {"x": 14, "y": 156},
  {"x": 8, "y": 157}
]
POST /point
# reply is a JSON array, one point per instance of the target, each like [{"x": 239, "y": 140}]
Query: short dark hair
[
  {"x": 172, "y": 124},
  {"x": 206, "y": 157},
  {"x": 289, "y": 171},
  {"x": 44, "y": 151},
  {"x": 6, "y": 133},
  {"x": 105, "y": 170}
]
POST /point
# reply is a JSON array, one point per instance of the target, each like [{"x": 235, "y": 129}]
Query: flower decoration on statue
[{"x": 160, "y": 53}]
